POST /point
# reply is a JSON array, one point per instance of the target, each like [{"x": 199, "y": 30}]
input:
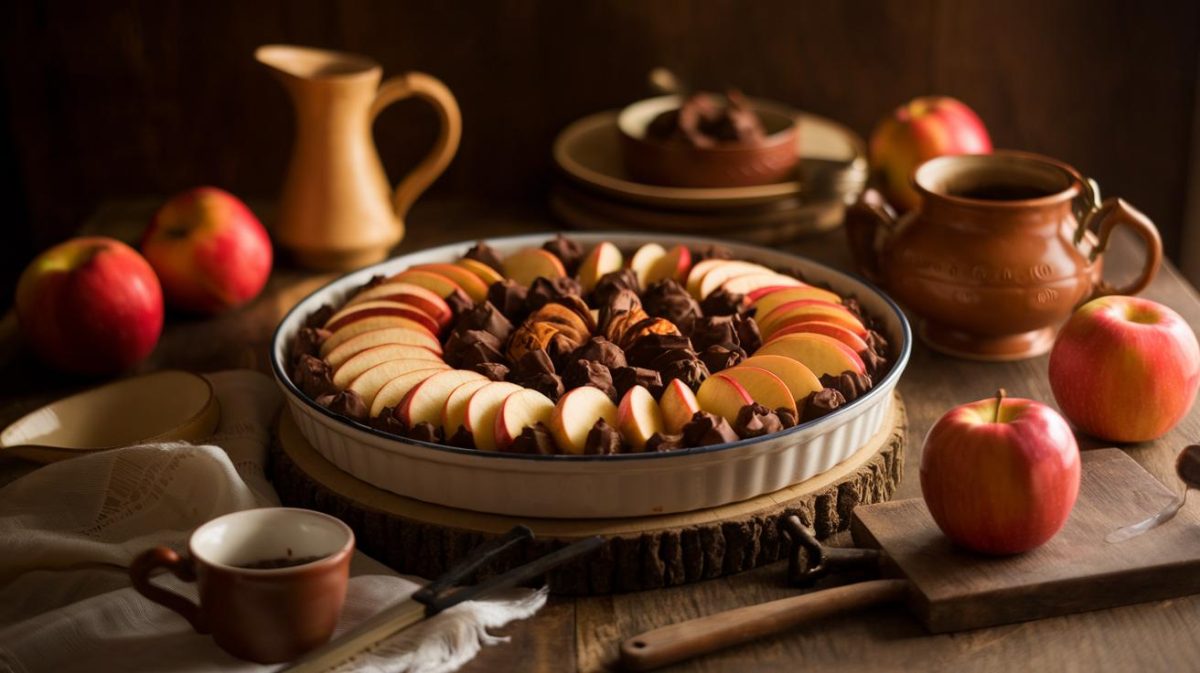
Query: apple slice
[
  {"x": 361, "y": 362},
  {"x": 730, "y": 269},
  {"x": 602, "y": 259},
  {"x": 722, "y": 395},
  {"x": 368, "y": 309},
  {"x": 750, "y": 282},
  {"x": 766, "y": 299},
  {"x": 644, "y": 258},
  {"x": 407, "y": 293},
  {"x": 392, "y": 393},
  {"x": 809, "y": 310},
  {"x": 482, "y": 408},
  {"x": 485, "y": 273},
  {"x": 528, "y": 264},
  {"x": 678, "y": 404},
  {"x": 576, "y": 414},
  {"x": 434, "y": 282},
  {"x": 697, "y": 272},
  {"x": 800, "y": 380},
  {"x": 376, "y": 323},
  {"x": 519, "y": 410},
  {"x": 839, "y": 332},
  {"x": 398, "y": 336},
  {"x": 764, "y": 387},
  {"x": 454, "y": 412},
  {"x": 675, "y": 264},
  {"x": 426, "y": 400},
  {"x": 368, "y": 383},
  {"x": 464, "y": 278},
  {"x": 822, "y": 354},
  {"x": 638, "y": 417}
]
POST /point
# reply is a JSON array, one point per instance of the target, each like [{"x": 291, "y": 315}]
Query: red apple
[
  {"x": 210, "y": 252},
  {"x": 1000, "y": 476},
  {"x": 1125, "y": 369},
  {"x": 917, "y": 131},
  {"x": 90, "y": 305}
]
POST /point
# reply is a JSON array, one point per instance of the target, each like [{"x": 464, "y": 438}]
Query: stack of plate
[{"x": 595, "y": 191}]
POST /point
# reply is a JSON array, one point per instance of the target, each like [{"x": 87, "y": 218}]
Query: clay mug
[
  {"x": 1002, "y": 249},
  {"x": 271, "y": 581}
]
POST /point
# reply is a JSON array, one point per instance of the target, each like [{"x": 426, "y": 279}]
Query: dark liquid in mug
[
  {"x": 1002, "y": 193},
  {"x": 283, "y": 562}
]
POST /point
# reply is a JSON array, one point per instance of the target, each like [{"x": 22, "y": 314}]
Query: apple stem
[{"x": 1000, "y": 395}]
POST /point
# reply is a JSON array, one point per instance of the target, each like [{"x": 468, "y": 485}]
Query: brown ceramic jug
[
  {"x": 1002, "y": 249},
  {"x": 338, "y": 210}
]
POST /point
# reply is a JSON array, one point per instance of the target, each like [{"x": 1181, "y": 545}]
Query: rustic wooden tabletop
[{"x": 583, "y": 634}]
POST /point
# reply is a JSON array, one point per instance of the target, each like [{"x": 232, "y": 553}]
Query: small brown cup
[{"x": 267, "y": 615}]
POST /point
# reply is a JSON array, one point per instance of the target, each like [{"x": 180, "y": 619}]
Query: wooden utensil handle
[{"x": 674, "y": 643}]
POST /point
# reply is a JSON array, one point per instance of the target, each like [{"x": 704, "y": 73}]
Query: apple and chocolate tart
[{"x": 557, "y": 350}]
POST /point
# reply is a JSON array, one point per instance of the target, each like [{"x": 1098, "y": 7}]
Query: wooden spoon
[{"x": 1187, "y": 466}]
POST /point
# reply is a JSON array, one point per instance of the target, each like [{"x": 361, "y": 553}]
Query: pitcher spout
[{"x": 293, "y": 63}]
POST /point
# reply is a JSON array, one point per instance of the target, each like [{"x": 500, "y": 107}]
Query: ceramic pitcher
[{"x": 338, "y": 211}]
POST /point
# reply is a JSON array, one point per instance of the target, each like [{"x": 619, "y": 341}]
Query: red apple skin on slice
[
  {"x": 763, "y": 386},
  {"x": 576, "y": 413},
  {"x": 724, "y": 396},
  {"x": 600, "y": 260},
  {"x": 678, "y": 404},
  {"x": 400, "y": 336},
  {"x": 434, "y": 282},
  {"x": 638, "y": 417},
  {"x": 485, "y": 273},
  {"x": 675, "y": 265},
  {"x": 799, "y": 379},
  {"x": 528, "y": 264},
  {"x": 407, "y": 293},
  {"x": 482, "y": 409},
  {"x": 393, "y": 392},
  {"x": 368, "y": 309},
  {"x": 382, "y": 322},
  {"x": 822, "y": 354},
  {"x": 424, "y": 403},
  {"x": 454, "y": 412},
  {"x": 730, "y": 270},
  {"x": 765, "y": 300},
  {"x": 361, "y": 362},
  {"x": 842, "y": 334},
  {"x": 743, "y": 284},
  {"x": 724, "y": 270},
  {"x": 808, "y": 310},
  {"x": 519, "y": 410},
  {"x": 644, "y": 258},
  {"x": 368, "y": 383},
  {"x": 469, "y": 282}
]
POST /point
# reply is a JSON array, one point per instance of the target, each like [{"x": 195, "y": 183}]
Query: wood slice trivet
[{"x": 423, "y": 539}]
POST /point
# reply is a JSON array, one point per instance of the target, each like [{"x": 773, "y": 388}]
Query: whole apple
[
  {"x": 915, "y": 132},
  {"x": 1125, "y": 369},
  {"x": 211, "y": 253},
  {"x": 90, "y": 305},
  {"x": 1000, "y": 476}
]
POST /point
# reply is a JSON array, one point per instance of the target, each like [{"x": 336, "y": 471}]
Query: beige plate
[
  {"x": 162, "y": 406},
  {"x": 589, "y": 152}
]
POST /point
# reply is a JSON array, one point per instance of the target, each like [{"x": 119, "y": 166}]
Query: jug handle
[
  {"x": 431, "y": 90},
  {"x": 868, "y": 222},
  {"x": 1112, "y": 213}
]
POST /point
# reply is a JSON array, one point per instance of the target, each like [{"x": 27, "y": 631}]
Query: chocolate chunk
[
  {"x": 1187, "y": 466},
  {"x": 347, "y": 403},
  {"x": 691, "y": 372},
  {"x": 625, "y": 378},
  {"x": 493, "y": 370},
  {"x": 705, "y": 429},
  {"x": 667, "y": 299},
  {"x": 426, "y": 432},
  {"x": 660, "y": 442},
  {"x": 749, "y": 337},
  {"x": 388, "y": 421},
  {"x": 535, "y": 439},
  {"x": 645, "y": 349},
  {"x": 602, "y": 440},
  {"x": 467, "y": 348},
  {"x": 877, "y": 343},
  {"x": 850, "y": 384},
  {"x": 821, "y": 403},
  {"x": 721, "y": 356},
  {"x": 601, "y": 350},
  {"x": 313, "y": 376},
  {"x": 787, "y": 417},
  {"x": 462, "y": 438},
  {"x": 550, "y": 385},
  {"x": 875, "y": 364},
  {"x": 486, "y": 317},
  {"x": 619, "y": 303},
  {"x": 566, "y": 250},
  {"x": 755, "y": 420},
  {"x": 532, "y": 363},
  {"x": 374, "y": 281},
  {"x": 714, "y": 330},
  {"x": 319, "y": 317},
  {"x": 711, "y": 251},
  {"x": 459, "y": 302},
  {"x": 509, "y": 297},
  {"x": 589, "y": 373},
  {"x": 545, "y": 290},
  {"x": 613, "y": 282},
  {"x": 482, "y": 252},
  {"x": 308, "y": 342},
  {"x": 723, "y": 302},
  {"x": 853, "y": 306}
]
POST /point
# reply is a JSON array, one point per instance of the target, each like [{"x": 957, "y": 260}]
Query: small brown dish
[{"x": 724, "y": 165}]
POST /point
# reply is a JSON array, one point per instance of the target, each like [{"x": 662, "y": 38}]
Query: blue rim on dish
[{"x": 894, "y": 372}]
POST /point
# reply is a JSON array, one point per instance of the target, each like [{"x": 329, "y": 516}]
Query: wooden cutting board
[{"x": 952, "y": 590}]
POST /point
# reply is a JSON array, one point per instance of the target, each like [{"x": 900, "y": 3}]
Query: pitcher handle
[
  {"x": 181, "y": 567},
  {"x": 1112, "y": 213},
  {"x": 431, "y": 90},
  {"x": 869, "y": 222}
]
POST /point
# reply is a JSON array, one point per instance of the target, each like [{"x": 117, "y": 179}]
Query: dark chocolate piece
[
  {"x": 589, "y": 373},
  {"x": 620, "y": 302},
  {"x": 821, "y": 403},
  {"x": 755, "y": 420},
  {"x": 706, "y": 429},
  {"x": 721, "y": 356},
  {"x": 667, "y": 299},
  {"x": 462, "y": 438},
  {"x": 467, "y": 348},
  {"x": 545, "y": 290},
  {"x": 459, "y": 302},
  {"x": 486, "y": 317},
  {"x": 613, "y": 282},
  {"x": 691, "y": 372},
  {"x": 851, "y": 385},
  {"x": 535, "y": 439},
  {"x": 660, "y": 442},
  {"x": 426, "y": 432},
  {"x": 787, "y": 417},
  {"x": 313, "y": 376},
  {"x": 723, "y": 302},
  {"x": 347, "y": 403},
  {"x": 308, "y": 342},
  {"x": 319, "y": 317},
  {"x": 509, "y": 297},
  {"x": 387, "y": 421},
  {"x": 710, "y": 251},
  {"x": 493, "y": 370},
  {"x": 482, "y": 252},
  {"x": 602, "y": 440},
  {"x": 569, "y": 252},
  {"x": 374, "y": 281},
  {"x": 646, "y": 349},
  {"x": 625, "y": 378},
  {"x": 707, "y": 120},
  {"x": 601, "y": 350}
]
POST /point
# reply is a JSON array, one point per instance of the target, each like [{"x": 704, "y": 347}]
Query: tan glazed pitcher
[{"x": 338, "y": 210}]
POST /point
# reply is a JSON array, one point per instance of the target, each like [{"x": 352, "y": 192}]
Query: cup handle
[
  {"x": 431, "y": 90},
  {"x": 1111, "y": 214},
  {"x": 181, "y": 567}
]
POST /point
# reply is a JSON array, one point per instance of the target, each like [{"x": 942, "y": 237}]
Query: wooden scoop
[{"x": 162, "y": 406}]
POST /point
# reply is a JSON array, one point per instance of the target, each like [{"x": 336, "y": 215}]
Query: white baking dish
[{"x": 595, "y": 486}]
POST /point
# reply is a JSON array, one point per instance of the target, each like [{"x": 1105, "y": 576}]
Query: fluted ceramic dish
[{"x": 627, "y": 485}]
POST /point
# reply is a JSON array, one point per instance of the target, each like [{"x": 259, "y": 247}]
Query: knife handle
[{"x": 676, "y": 642}]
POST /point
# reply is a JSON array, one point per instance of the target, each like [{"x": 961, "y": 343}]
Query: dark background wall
[{"x": 111, "y": 99}]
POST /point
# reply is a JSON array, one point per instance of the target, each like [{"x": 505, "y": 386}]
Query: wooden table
[{"x": 582, "y": 634}]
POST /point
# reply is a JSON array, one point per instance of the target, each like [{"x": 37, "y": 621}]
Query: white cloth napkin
[{"x": 69, "y": 530}]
